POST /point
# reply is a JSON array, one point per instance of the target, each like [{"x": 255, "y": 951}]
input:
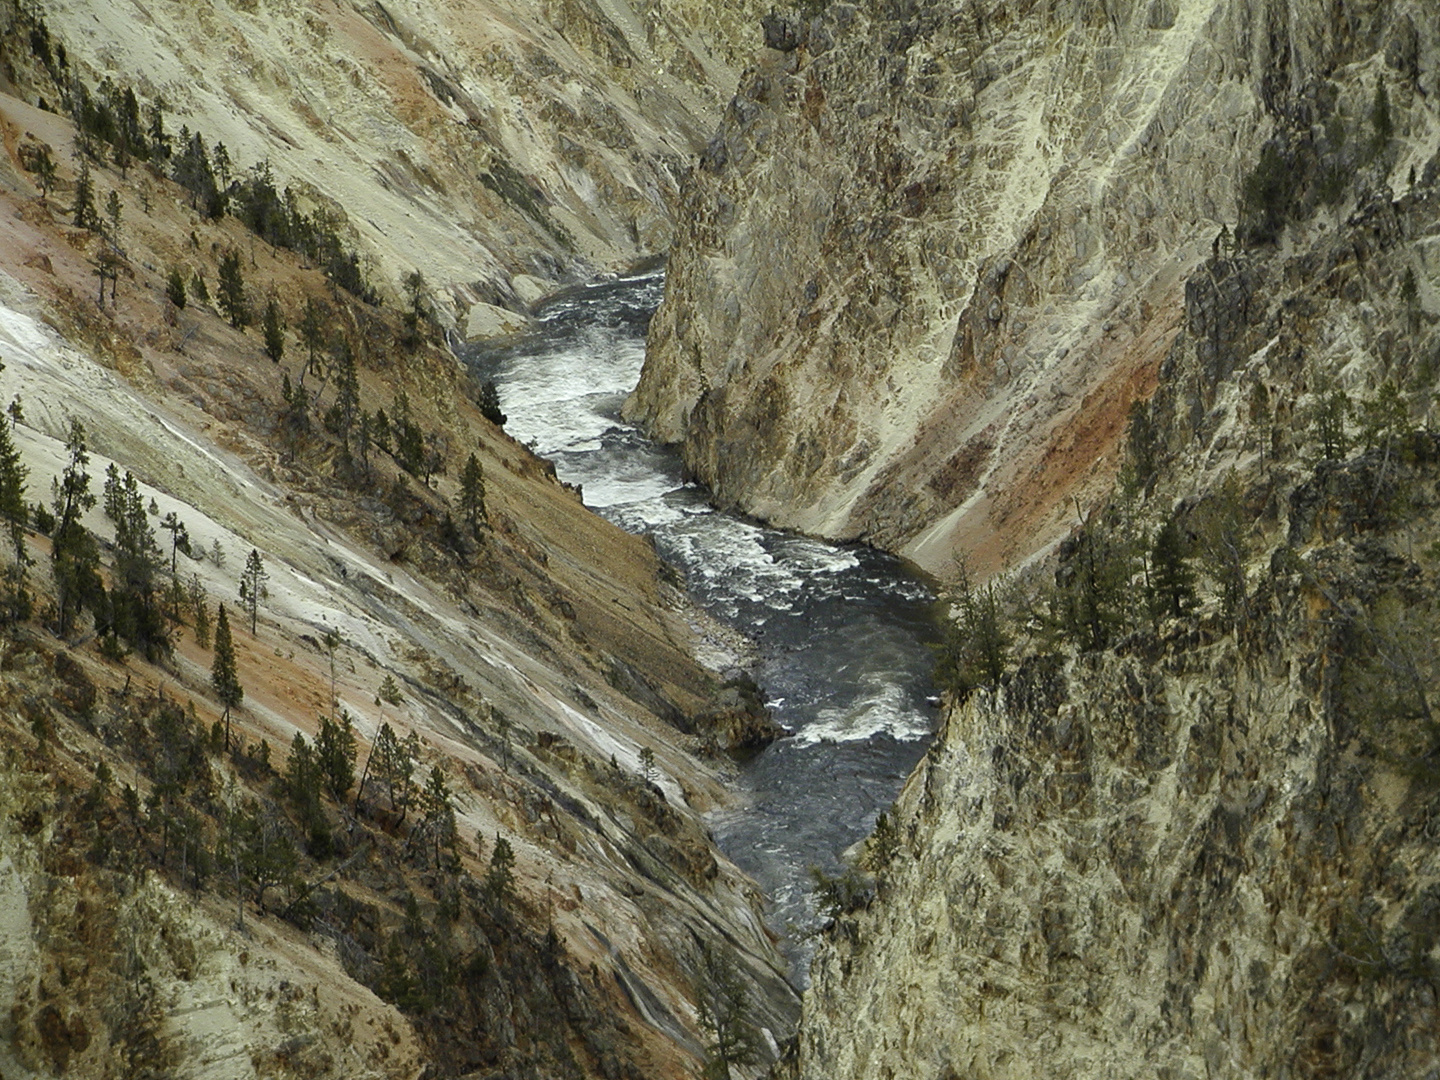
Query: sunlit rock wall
[{"x": 936, "y": 250}]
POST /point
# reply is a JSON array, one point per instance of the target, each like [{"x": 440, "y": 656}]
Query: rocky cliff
[
  {"x": 505, "y": 870},
  {"x": 934, "y": 252},
  {"x": 1185, "y": 826},
  {"x": 474, "y": 141}
]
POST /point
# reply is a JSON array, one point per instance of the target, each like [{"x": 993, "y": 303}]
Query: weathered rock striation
[
  {"x": 180, "y": 894},
  {"x": 934, "y": 252},
  {"x": 1206, "y": 848},
  {"x": 477, "y": 141}
]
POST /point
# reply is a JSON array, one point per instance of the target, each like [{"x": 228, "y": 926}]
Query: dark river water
[{"x": 843, "y": 632}]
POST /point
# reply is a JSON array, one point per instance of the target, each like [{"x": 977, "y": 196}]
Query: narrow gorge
[{"x": 1116, "y": 319}]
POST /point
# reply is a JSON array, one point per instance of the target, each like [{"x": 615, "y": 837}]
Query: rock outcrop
[
  {"x": 179, "y": 892},
  {"x": 1204, "y": 847},
  {"x": 1123, "y": 869},
  {"x": 475, "y": 140},
  {"x": 933, "y": 254}
]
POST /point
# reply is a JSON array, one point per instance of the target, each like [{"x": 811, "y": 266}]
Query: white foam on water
[
  {"x": 605, "y": 491},
  {"x": 883, "y": 709}
]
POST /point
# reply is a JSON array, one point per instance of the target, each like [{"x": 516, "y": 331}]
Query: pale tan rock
[
  {"x": 930, "y": 259},
  {"x": 487, "y": 321},
  {"x": 530, "y": 290}
]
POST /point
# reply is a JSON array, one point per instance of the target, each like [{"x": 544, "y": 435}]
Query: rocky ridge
[
  {"x": 535, "y": 660},
  {"x": 479, "y": 142},
  {"x": 933, "y": 254},
  {"x": 1206, "y": 846}
]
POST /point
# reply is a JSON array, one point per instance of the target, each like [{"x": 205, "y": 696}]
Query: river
[{"x": 843, "y": 632}]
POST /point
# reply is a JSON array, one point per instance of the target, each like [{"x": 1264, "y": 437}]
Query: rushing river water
[{"x": 843, "y": 632}]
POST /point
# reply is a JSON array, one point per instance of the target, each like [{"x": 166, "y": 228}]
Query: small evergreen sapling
[
  {"x": 252, "y": 586},
  {"x": 224, "y": 678},
  {"x": 272, "y": 325}
]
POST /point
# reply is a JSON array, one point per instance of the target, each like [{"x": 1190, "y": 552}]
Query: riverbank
[{"x": 837, "y": 636}]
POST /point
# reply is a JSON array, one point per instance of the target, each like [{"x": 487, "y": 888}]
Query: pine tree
[
  {"x": 721, "y": 1000},
  {"x": 114, "y": 211},
  {"x": 84, "y": 215},
  {"x": 224, "y": 678},
  {"x": 409, "y": 439},
  {"x": 335, "y": 755},
  {"x": 976, "y": 645},
  {"x": 200, "y": 611},
  {"x": 389, "y": 691},
  {"x": 16, "y": 598},
  {"x": 155, "y": 131},
  {"x": 252, "y": 586},
  {"x": 489, "y": 402},
  {"x": 135, "y": 611},
  {"x": 179, "y": 537},
  {"x": 312, "y": 333},
  {"x": 439, "y": 813},
  {"x": 414, "y": 317},
  {"x": 1222, "y": 525},
  {"x": 1172, "y": 581},
  {"x": 107, "y": 266},
  {"x": 1380, "y": 117},
  {"x": 302, "y": 787},
  {"x": 395, "y": 761},
  {"x": 500, "y": 879},
  {"x": 346, "y": 408},
  {"x": 272, "y": 325},
  {"x": 1328, "y": 420},
  {"x": 470, "y": 503},
  {"x": 1410, "y": 295},
  {"x": 220, "y": 157},
  {"x": 12, "y": 492},
  {"x": 1091, "y": 603},
  {"x": 295, "y": 420},
  {"x": 232, "y": 290},
  {"x": 74, "y": 555},
  {"x": 192, "y": 170},
  {"x": 175, "y": 287}
]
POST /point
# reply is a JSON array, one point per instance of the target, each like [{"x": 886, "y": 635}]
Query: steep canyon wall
[{"x": 936, "y": 250}]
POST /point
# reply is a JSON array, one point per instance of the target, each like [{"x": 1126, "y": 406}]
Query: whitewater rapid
[{"x": 843, "y": 633}]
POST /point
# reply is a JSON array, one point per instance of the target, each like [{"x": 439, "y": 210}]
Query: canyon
[{"x": 1117, "y": 317}]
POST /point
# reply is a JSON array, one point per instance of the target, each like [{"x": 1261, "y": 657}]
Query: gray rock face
[
  {"x": 931, "y": 257},
  {"x": 1120, "y": 872},
  {"x": 474, "y": 139},
  {"x": 1208, "y": 850}
]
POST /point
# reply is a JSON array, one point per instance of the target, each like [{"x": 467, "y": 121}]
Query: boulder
[{"x": 488, "y": 321}]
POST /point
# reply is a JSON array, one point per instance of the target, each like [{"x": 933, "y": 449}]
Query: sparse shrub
[
  {"x": 976, "y": 644},
  {"x": 1265, "y": 197},
  {"x": 175, "y": 287},
  {"x": 42, "y": 519},
  {"x": 837, "y": 896}
]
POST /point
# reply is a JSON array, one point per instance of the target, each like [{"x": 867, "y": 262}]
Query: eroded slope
[{"x": 935, "y": 252}]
